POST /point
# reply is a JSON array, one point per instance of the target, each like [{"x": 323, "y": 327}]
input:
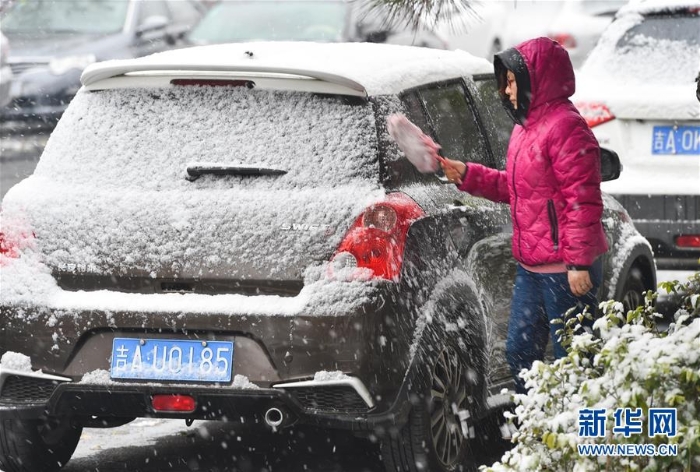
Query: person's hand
[
  {"x": 579, "y": 282},
  {"x": 454, "y": 170}
]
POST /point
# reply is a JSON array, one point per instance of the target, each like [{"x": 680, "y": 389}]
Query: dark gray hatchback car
[{"x": 228, "y": 231}]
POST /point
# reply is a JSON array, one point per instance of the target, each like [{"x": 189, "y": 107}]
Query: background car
[
  {"x": 494, "y": 26},
  {"x": 228, "y": 232},
  {"x": 5, "y": 71},
  {"x": 305, "y": 20},
  {"x": 52, "y": 42},
  {"x": 637, "y": 92}
]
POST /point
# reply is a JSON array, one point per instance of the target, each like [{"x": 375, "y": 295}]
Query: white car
[
  {"x": 493, "y": 26},
  {"x": 637, "y": 91}
]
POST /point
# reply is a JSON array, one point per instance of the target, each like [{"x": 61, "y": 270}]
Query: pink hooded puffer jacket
[{"x": 552, "y": 177}]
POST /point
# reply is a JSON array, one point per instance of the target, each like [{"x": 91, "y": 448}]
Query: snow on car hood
[{"x": 110, "y": 196}]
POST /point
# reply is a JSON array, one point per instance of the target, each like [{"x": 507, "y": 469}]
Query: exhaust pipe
[{"x": 274, "y": 418}]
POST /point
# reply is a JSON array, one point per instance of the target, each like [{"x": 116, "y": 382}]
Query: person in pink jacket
[{"x": 552, "y": 183}]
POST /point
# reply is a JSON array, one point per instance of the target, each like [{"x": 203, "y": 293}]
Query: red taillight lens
[
  {"x": 377, "y": 239},
  {"x": 688, "y": 241},
  {"x": 11, "y": 246},
  {"x": 173, "y": 403},
  {"x": 6, "y": 249},
  {"x": 595, "y": 113},
  {"x": 565, "y": 39}
]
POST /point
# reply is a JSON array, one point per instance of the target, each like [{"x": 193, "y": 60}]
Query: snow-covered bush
[{"x": 625, "y": 363}]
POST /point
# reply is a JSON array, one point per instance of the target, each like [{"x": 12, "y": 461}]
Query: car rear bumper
[
  {"x": 662, "y": 237},
  {"x": 279, "y": 354},
  {"x": 661, "y": 218},
  {"x": 114, "y": 401}
]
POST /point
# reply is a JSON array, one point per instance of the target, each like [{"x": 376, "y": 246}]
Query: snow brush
[{"x": 418, "y": 147}]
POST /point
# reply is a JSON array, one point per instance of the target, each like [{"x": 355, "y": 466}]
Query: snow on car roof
[
  {"x": 354, "y": 68},
  {"x": 650, "y": 6}
]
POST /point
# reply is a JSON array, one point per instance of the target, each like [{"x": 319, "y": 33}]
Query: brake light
[
  {"x": 377, "y": 238},
  {"x": 213, "y": 83},
  {"x": 566, "y": 40},
  {"x": 595, "y": 113},
  {"x": 12, "y": 246},
  {"x": 688, "y": 241},
  {"x": 173, "y": 403}
]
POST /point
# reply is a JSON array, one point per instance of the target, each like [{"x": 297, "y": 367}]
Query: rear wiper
[{"x": 194, "y": 171}]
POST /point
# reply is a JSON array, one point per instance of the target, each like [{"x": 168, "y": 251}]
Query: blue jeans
[{"x": 537, "y": 300}]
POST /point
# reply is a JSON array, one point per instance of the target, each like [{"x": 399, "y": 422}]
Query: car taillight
[
  {"x": 594, "y": 113},
  {"x": 14, "y": 241},
  {"x": 566, "y": 40},
  {"x": 377, "y": 238},
  {"x": 688, "y": 241},
  {"x": 11, "y": 247}
]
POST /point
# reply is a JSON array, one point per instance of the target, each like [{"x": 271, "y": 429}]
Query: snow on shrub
[{"x": 627, "y": 362}]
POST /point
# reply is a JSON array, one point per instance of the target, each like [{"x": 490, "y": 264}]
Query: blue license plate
[
  {"x": 676, "y": 140},
  {"x": 164, "y": 359}
]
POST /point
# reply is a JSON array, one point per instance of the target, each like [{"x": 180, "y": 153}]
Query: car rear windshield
[
  {"x": 49, "y": 16},
  {"x": 148, "y": 137},
  {"x": 661, "y": 49},
  {"x": 271, "y": 20}
]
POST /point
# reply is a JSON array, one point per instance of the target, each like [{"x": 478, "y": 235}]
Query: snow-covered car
[
  {"x": 306, "y": 20},
  {"x": 637, "y": 92},
  {"x": 52, "y": 42},
  {"x": 228, "y": 231},
  {"x": 490, "y": 27}
]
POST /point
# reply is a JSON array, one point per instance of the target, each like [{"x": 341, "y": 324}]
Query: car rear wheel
[
  {"x": 37, "y": 445},
  {"x": 440, "y": 428},
  {"x": 632, "y": 290}
]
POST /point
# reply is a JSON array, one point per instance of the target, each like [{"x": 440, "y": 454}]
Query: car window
[
  {"x": 497, "y": 122},
  {"x": 294, "y": 20},
  {"x": 152, "y": 135},
  {"x": 184, "y": 12},
  {"x": 455, "y": 126},
  {"x": 414, "y": 111},
  {"x": 153, "y": 8},
  {"x": 50, "y": 16}
]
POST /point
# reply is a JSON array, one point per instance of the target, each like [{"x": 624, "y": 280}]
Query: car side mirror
[
  {"x": 610, "y": 167},
  {"x": 152, "y": 24}
]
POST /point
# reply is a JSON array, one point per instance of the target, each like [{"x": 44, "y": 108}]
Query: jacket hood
[{"x": 543, "y": 72}]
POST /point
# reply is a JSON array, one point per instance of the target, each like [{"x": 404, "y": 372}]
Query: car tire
[
  {"x": 37, "y": 445},
  {"x": 438, "y": 435},
  {"x": 631, "y": 295}
]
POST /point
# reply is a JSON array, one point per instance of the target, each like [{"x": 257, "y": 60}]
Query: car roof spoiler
[{"x": 122, "y": 74}]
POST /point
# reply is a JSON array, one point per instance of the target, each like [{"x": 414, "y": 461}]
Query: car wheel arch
[{"x": 639, "y": 263}]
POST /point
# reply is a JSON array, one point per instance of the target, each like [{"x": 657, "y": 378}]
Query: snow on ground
[
  {"x": 141, "y": 432},
  {"x": 670, "y": 275}
]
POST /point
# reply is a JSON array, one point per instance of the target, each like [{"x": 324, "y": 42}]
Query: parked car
[
  {"x": 52, "y": 42},
  {"x": 637, "y": 92},
  {"x": 228, "y": 231},
  {"x": 305, "y": 20},
  {"x": 5, "y": 71},
  {"x": 493, "y": 26}
]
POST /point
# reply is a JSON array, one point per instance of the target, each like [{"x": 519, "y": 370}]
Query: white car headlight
[{"x": 61, "y": 65}]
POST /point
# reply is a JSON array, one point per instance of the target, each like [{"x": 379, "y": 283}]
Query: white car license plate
[
  {"x": 164, "y": 359},
  {"x": 676, "y": 140}
]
